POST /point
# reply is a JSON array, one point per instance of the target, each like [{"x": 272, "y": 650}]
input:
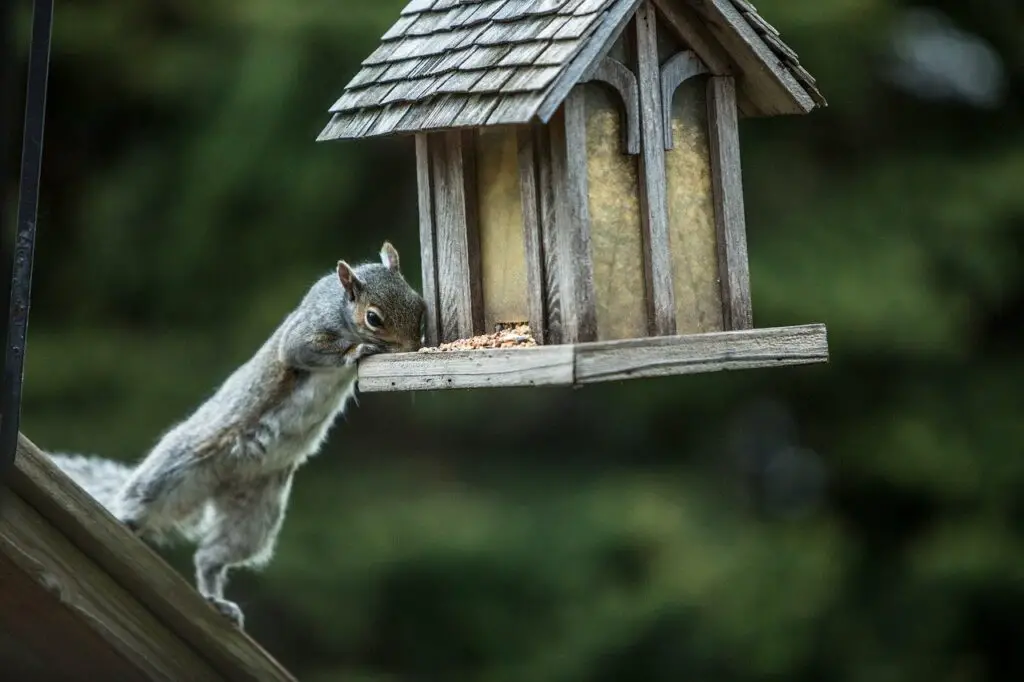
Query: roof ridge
[
  {"x": 786, "y": 54},
  {"x": 471, "y": 63}
]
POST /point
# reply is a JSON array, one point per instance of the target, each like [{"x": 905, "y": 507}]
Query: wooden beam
[
  {"x": 615, "y": 74},
  {"x": 594, "y": 362},
  {"x": 538, "y": 366},
  {"x": 428, "y": 239},
  {"x": 727, "y": 185},
  {"x": 532, "y": 238},
  {"x": 654, "y": 213},
  {"x": 547, "y": 219},
  {"x": 138, "y": 569},
  {"x": 761, "y": 73},
  {"x": 572, "y": 230},
  {"x": 679, "y": 68},
  {"x": 690, "y": 29},
  {"x": 458, "y": 245},
  {"x": 698, "y": 353},
  {"x": 44, "y": 640},
  {"x": 588, "y": 59},
  {"x": 77, "y": 584}
]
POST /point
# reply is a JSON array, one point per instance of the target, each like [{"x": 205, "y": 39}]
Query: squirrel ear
[
  {"x": 389, "y": 256},
  {"x": 349, "y": 282}
]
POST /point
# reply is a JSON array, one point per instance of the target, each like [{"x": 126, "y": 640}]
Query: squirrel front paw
[{"x": 356, "y": 353}]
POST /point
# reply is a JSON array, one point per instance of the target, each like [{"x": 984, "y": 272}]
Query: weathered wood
[
  {"x": 657, "y": 247},
  {"x": 572, "y": 229},
  {"x": 95, "y": 598},
  {"x": 698, "y": 353},
  {"x": 597, "y": 46},
  {"x": 769, "y": 84},
  {"x": 538, "y": 366},
  {"x": 692, "y": 30},
  {"x": 540, "y": 52},
  {"x": 533, "y": 248},
  {"x": 428, "y": 242},
  {"x": 458, "y": 281},
  {"x": 43, "y": 640},
  {"x": 616, "y": 239},
  {"x": 502, "y": 238},
  {"x": 691, "y": 214},
  {"x": 586, "y": 363},
  {"x": 727, "y": 180},
  {"x": 679, "y": 68},
  {"x": 548, "y": 217},
  {"x": 530, "y": 78},
  {"x": 615, "y": 74},
  {"x": 138, "y": 569}
]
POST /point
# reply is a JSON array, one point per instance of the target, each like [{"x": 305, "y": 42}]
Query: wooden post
[
  {"x": 547, "y": 217},
  {"x": 572, "y": 232},
  {"x": 657, "y": 247},
  {"x": 529, "y": 187},
  {"x": 734, "y": 269},
  {"x": 455, "y": 224},
  {"x": 428, "y": 241}
]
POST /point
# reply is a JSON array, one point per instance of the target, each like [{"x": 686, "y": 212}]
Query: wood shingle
[{"x": 470, "y": 63}]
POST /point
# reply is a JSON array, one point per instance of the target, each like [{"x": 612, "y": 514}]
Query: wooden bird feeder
[{"x": 578, "y": 166}]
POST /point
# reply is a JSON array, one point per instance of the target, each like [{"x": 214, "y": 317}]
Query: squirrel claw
[
  {"x": 228, "y": 609},
  {"x": 359, "y": 352}
]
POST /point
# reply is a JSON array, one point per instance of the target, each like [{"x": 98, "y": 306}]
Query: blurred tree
[{"x": 860, "y": 521}]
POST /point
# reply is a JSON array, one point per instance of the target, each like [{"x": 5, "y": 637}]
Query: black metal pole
[{"x": 25, "y": 237}]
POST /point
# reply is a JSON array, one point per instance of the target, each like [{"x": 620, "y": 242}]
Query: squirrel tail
[{"x": 101, "y": 478}]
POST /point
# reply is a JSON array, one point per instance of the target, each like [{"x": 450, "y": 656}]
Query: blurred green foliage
[{"x": 860, "y": 521}]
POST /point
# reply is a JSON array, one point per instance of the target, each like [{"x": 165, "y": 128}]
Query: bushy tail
[{"x": 101, "y": 478}]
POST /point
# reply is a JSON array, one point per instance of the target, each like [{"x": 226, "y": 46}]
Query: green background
[{"x": 858, "y": 521}]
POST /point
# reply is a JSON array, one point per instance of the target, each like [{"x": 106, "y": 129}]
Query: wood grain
[
  {"x": 533, "y": 247},
  {"x": 657, "y": 247},
  {"x": 727, "y": 181},
  {"x": 138, "y": 569},
  {"x": 691, "y": 29},
  {"x": 428, "y": 245},
  {"x": 547, "y": 204},
  {"x": 95, "y": 598},
  {"x": 538, "y": 366},
  {"x": 597, "y": 46},
  {"x": 457, "y": 237},
  {"x": 696, "y": 353},
  {"x": 44, "y": 640},
  {"x": 619, "y": 77},
  {"x": 586, "y": 363},
  {"x": 572, "y": 231},
  {"x": 766, "y": 80},
  {"x": 680, "y": 67}
]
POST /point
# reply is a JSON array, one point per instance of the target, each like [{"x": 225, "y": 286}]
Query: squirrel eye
[{"x": 373, "y": 320}]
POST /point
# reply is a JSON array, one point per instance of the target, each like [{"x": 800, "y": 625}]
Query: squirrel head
[{"x": 385, "y": 309}]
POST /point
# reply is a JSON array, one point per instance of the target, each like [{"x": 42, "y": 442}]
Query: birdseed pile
[{"x": 516, "y": 336}]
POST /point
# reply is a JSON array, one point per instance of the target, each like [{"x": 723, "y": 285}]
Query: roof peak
[{"x": 470, "y": 63}]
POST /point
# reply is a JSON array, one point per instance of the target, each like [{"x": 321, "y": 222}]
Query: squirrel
[{"x": 222, "y": 477}]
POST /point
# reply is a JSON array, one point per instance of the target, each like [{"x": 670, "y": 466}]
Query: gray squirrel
[{"x": 221, "y": 478}]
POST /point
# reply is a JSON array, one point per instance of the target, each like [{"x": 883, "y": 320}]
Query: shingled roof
[{"x": 467, "y": 63}]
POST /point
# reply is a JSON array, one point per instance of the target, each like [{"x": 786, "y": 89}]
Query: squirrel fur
[{"x": 222, "y": 477}]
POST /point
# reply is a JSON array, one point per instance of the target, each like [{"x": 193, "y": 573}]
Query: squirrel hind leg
[
  {"x": 240, "y": 530},
  {"x": 157, "y": 498}
]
